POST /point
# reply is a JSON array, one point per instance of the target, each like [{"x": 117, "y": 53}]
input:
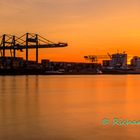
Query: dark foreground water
[{"x": 68, "y": 107}]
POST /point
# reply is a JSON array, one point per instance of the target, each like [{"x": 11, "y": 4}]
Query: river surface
[{"x": 69, "y": 107}]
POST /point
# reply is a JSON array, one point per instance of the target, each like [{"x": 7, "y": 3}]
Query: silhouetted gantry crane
[
  {"x": 95, "y": 58},
  {"x": 26, "y": 41}
]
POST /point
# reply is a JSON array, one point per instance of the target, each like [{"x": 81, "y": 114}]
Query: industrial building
[
  {"x": 117, "y": 60},
  {"x": 135, "y": 62}
]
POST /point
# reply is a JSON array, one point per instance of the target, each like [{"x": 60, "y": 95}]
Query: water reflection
[
  {"x": 18, "y": 107},
  {"x": 67, "y": 107}
]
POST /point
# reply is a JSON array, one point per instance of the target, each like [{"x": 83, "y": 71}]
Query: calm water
[{"x": 68, "y": 107}]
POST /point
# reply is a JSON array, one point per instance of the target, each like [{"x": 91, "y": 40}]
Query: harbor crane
[
  {"x": 95, "y": 58},
  {"x": 25, "y": 42}
]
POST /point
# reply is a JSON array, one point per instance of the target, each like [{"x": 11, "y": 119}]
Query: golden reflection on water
[{"x": 68, "y": 107}]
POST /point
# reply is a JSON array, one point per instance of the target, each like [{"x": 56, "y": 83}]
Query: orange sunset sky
[{"x": 88, "y": 26}]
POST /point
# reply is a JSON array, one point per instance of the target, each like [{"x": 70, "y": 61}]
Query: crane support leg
[
  {"x": 26, "y": 48},
  {"x": 36, "y": 48},
  {"x": 3, "y": 45}
]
